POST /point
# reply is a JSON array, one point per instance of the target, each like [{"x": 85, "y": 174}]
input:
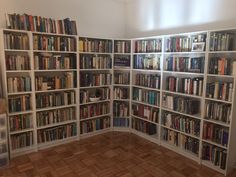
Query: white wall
[
  {"x": 153, "y": 17},
  {"x": 96, "y": 18},
  {"x": 131, "y": 18}
]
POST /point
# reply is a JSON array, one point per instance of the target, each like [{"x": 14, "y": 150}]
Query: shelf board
[
  {"x": 215, "y": 144},
  {"x": 54, "y": 70},
  {"x": 181, "y": 53},
  {"x": 139, "y": 102},
  {"x": 183, "y": 73},
  {"x": 56, "y": 124},
  {"x": 16, "y": 50},
  {"x": 20, "y": 113},
  {"x": 196, "y": 116},
  {"x": 94, "y": 102},
  {"x": 126, "y": 100},
  {"x": 124, "y": 69},
  {"x": 120, "y": 53},
  {"x": 144, "y": 119},
  {"x": 55, "y": 90},
  {"x": 146, "y": 88},
  {"x": 147, "y": 53},
  {"x": 20, "y": 93},
  {"x": 54, "y": 51},
  {"x": 18, "y": 71},
  {"x": 219, "y": 52},
  {"x": 217, "y": 122},
  {"x": 121, "y": 85},
  {"x": 183, "y": 94},
  {"x": 53, "y": 34},
  {"x": 55, "y": 107},
  {"x": 21, "y": 131},
  {"x": 92, "y": 87},
  {"x": 146, "y": 70},
  {"x": 217, "y": 100},
  {"x": 93, "y": 69},
  {"x": 181, "y": 132},
  {"x": 16, "y": 31},
  {"x": 95, "y": 53},
  {"x": 220, "y": 76},
  {"x": 94, "y": 117}
]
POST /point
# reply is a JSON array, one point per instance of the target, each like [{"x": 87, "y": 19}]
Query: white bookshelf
[
  {"x": 95, "y": 75},
  {"x": 146, "y": 87},
  {"x": 18, "y": 57},
  {"x": 121, "y": 85}
]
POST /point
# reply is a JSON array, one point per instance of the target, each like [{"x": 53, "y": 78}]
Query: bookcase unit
[
  {"x": 56, "y": 91},
  {"x": 146, "y": 87},
  {"x": 218, "y": 147},
  {"x": 121, "y": 84},
  {"x": 40, "y": 76},
  {"x": 182, "y": 91},
  {"x": 18, "y": 80},
  {"x": 95, "y": 66}
]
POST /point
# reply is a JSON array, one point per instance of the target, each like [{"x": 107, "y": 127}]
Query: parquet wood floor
[{"x": 112, "y": 154}]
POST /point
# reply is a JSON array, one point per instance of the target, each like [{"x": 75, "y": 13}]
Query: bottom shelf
[
  {"x": 212, "y": 166},
  {"x": 97, "y": 132},
  {"x": 180, "y": 151},
  {"x": 57, "y": 142},
  {"x": 153, "y": 138},
  {"x": 22, "y": 151}
]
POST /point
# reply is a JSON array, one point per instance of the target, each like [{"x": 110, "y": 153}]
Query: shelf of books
[
  {"x": 18, "y": 77},
  {"x": 218, "y": 147},
  {"x": 121, "y": 85},
  {"x": 55, "y": 77},
  {"x": 146, "y": 85},
  {"x": 182, "y": 93},
  {"x": 95, "y": 64}
]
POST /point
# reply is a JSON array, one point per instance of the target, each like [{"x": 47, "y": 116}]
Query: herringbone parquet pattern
[{"x": 108, "y": 155}]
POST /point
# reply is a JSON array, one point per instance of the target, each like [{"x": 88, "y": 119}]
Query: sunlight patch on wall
[{"x": 166, "y": 14}]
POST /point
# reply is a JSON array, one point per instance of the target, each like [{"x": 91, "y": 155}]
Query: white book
[
  {"x": 195, "y": 83},
  {"x": 230, "y": 92},
  {"x": 216, "y": 90},
  {"x": 234, "y": 69},
  {"x": 200, "y": 86}
]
